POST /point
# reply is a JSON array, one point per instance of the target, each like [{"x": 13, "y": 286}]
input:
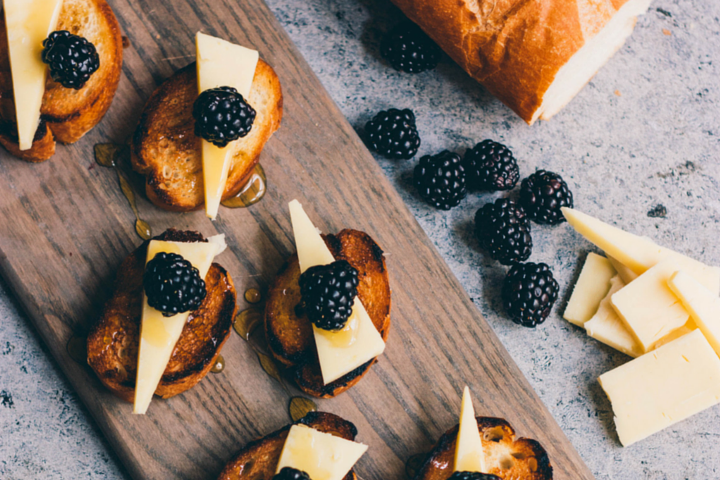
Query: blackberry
[
  {"x": 289, "y": 473},
  {"x": 409, "y": 49},
  {"x": 529, "y": 293},
  {"x": 543, "y": 194},
  {"x": 70, "y": 58},
  {"x": 503, "y": 229},
  {"x": 172, "y": 285},
  {"x": 491, "y": 167},
  {"x": 328, "y": 293},
  {"x": 222, "y": 115},
  {"x": 393, "y": 134},
  {"x": 473, "y": 476},
  {"x": 440, "y": 179}
]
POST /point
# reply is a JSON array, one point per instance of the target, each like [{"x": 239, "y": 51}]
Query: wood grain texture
[{"x": 67, "y": 226}]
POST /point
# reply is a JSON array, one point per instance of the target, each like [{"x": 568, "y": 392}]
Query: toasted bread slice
[
  {"x": 114, "y": 340},
  {"x": 505, "y": 456},
  {"x": 166, "y": 150},
  {"x": 67, "y": 114},
  {"x": 259, "y": 459},
  {"x": 290, "y": 338}
]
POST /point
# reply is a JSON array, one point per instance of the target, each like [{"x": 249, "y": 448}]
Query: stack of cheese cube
[{"x": 658, "y": 306}]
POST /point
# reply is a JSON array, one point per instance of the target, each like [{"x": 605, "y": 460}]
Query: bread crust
[
  {"x": 67, "y": 113},
  {"x": 514, "y": 48},
  {"x": 524, "y": 458},
  {"x": 290, "y": 338},
  {"x": 258, "y": 459},
  {"x": 166, "y": 150},
  {"x": 114, "y": 340}
]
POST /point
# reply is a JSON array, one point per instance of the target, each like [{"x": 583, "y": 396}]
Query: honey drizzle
[
  {"x": 219, "y": 365},
  {"x": 253, "y": 295},
  {"x": 301, "y": 406},
  {"x": 252, "y": 192},
  {"x": 77, "y": 349},
  {"x": 413, "y": 465},
  {"x": 245, "y": 323},
  {"x": 106, "y": 155}
]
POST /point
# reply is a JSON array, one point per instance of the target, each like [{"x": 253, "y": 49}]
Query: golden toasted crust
[
  {"x": 68, "y": 113},
  {"x": 113, "y": 341},
  {"x": 514, "y": 48},
  {"x": 505, "y": 456},
  {"x": 258, "y": 459},
  {"x": 290, "y": 337},
  {"x": 167, "y": 152}
]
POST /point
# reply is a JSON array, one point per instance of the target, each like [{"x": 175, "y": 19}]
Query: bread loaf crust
[{"x": 514, "y": 48}]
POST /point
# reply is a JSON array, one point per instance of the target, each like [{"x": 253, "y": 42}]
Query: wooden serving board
[{"x": 67, "y": 226}]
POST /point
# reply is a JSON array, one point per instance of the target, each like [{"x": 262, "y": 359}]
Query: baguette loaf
[{"x": 534, "y": 56}]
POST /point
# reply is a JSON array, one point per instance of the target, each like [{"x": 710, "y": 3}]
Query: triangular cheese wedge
[
  {"x": 159, "y": 334},
  {"x": 28, "y": 23},
  {"x": 221, "y": 64},
  {"x": 639, "y": 254},
  {"x": 469, "y": 455},
  {"x": 703, "y": 305},
  {"x": 359, "y": 342},
  {"x": 321, "y": 455}
]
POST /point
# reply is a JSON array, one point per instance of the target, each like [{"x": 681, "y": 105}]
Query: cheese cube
[
  {"x": 703, "y": 305},
  {"x": 637, "y": 253},
  {"x": 359, "y": 342},
  {"x": 648, "y": 307},
  {"x": 321, "y": 455},
  {"x": 663, "y": 387},
  {"x": 607, "y": 327},
  {"x": 591, "y": 287}
]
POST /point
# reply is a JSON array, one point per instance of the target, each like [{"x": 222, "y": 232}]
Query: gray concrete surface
[{"x": 645, "y": 131}]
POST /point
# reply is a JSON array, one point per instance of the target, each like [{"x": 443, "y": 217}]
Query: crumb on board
[
  {"x": 666, "y": 32},
  {"x": 617, "y": 93}
]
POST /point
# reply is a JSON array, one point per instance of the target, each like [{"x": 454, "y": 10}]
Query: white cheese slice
[
  {"x": 591, "y": 287},
  {"x": 159, "y": 334},
  {"x": 663, "y": 387},
  {"x": 607, "y": 327},
  {"x": 626, "y": 275},
  {"x": 221, "y": 64},
  {"x": 703, "y": 305},
  {"x": 469, "y": 455},
  {"x": 359, "y": 342},
  {"x": 321, "y": 455},
  {"x": 648, "y": 307},
  {"x": 638, "y": 253},
  {"x": 28, "y": 23}
]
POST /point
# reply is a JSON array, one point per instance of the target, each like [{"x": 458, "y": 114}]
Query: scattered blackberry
[
  {"x": 289, "y": 473},
  {"x": 172, "y": 285},
  {"x": 440, "y": 179},
  {"x": 491, "y": 166},
  {"x": 393, "y": 134},
  {"x": 473, "y": 476},
  {"x": 503, "y": 229},
  {"x": 529, "y": 293},
  {"x": 543, "y": 194},
  {"x": 222, "y": 115},
  {"x": 71, "y": 59},
  {"x": 328, "y": 293},
  {"x": 409, "y": 49}
]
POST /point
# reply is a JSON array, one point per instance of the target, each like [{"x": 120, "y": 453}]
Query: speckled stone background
[{"x": 644, "y": 132}]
